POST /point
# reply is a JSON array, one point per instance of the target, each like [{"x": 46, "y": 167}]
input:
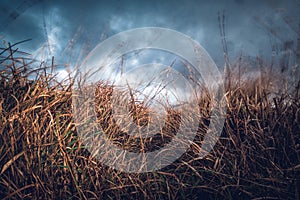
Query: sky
[{"x": 69, "y": 30}]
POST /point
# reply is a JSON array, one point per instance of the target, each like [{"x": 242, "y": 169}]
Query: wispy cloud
[{"x": 53, "y": 23}]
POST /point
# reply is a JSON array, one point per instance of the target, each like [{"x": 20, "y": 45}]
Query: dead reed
[{"x": 42, "y": 157}]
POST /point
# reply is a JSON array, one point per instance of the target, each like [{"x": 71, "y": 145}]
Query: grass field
[{"x": 42, "y": 157}]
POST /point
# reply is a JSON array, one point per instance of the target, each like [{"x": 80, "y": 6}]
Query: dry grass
[{"x": 41, "y": 156}]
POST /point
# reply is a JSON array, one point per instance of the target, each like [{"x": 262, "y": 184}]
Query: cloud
[{"x": 100, "y": 19}]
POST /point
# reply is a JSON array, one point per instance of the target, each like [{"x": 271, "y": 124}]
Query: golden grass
[{"x": 42, "y": 157}]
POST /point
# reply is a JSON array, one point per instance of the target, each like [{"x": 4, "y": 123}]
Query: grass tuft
[{"x": 42, "y": 157}]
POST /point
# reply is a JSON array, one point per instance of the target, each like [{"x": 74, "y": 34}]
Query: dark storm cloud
[{"x": 55, "y": 23}]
